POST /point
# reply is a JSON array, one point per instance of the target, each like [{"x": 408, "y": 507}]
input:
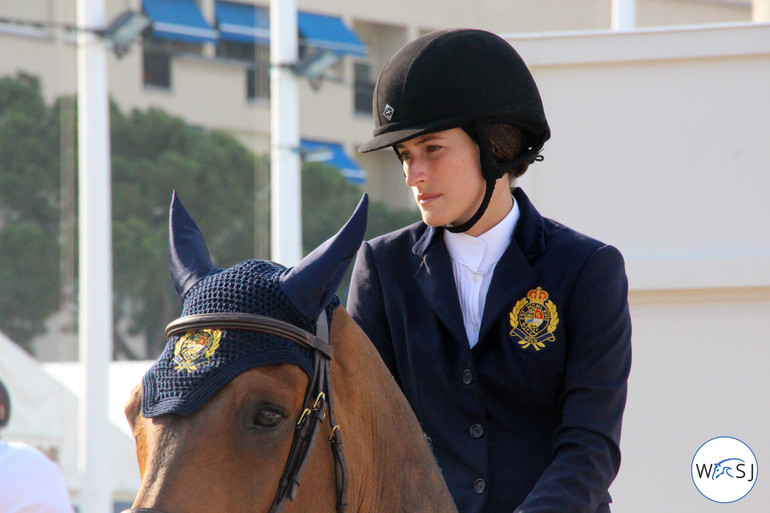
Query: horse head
[{"x": 262, "y": 360}]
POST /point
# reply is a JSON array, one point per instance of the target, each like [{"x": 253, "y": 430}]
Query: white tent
[{"x": 44, "y": 413}]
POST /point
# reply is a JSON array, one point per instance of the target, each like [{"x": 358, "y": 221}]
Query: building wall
[
  {"x": 691, "y": 12},
  {"x": 667, "y": 126},
  {"x": 659, "y": 148},
  {"x": 494, "y": 15},
  {"x": 696, "y": 375}
]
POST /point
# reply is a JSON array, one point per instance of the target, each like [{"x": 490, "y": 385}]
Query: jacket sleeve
[
  {"x": 598, "y": 360},
  {"x": 366, "y": 305}
]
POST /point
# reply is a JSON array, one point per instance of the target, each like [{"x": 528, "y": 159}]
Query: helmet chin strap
[
  {"x": 467, "y": 225},
  {"x": 491, "y": 171}
]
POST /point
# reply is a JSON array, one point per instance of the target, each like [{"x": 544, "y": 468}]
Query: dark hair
[
  {"x": 507, "y": 142},
  {"x": 5, "y": 405}
]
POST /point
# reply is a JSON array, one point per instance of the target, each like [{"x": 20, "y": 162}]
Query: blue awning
[
  {"x": 336, "y": 157},
  {"x": 180, "y": 20},
  {"x": 329, "y": 33},
  {"x": 243, "y": 23}
]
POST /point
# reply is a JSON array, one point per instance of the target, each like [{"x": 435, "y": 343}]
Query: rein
[{"x": 318, "y": 397}]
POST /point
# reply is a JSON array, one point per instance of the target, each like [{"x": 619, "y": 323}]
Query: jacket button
[
  {"x": 476, "y": 431},
  {"x": 467, "y": 377},
  {"x": 479, "y": 486}
]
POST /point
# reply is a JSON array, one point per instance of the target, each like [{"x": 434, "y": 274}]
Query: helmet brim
[
  {"x": 391, "y": 138},
  {"x": 538, "y": 130}
]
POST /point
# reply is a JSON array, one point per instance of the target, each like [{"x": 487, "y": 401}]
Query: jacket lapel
[
  {"x": 436, "y": 279},
  {"x": 513, "y": 274}
]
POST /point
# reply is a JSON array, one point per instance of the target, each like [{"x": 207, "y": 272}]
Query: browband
[{"x": 254, "y": 322}]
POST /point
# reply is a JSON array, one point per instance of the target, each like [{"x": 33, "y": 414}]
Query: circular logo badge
[{"x": 724, "y": 469}]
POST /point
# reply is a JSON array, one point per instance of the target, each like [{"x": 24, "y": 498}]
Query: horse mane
[{"x": 399, "y": 466}]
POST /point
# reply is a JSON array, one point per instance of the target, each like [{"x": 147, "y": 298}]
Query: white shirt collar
[{"x": 476, "y": 253}]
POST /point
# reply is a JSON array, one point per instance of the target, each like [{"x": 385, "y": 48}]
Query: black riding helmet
[{"x": 459, "y": 78}]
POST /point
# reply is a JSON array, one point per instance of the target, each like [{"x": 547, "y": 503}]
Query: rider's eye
[{"x": 267, "y": 417}]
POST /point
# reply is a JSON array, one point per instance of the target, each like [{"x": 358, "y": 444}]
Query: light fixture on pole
[
  {"x": 121, "y": 33},
  {"x": 124, "y": 30},
  {"x": 314, "y": 66}
]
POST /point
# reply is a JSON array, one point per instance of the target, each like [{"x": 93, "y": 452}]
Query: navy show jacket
[{"x": 518, "y": 423}]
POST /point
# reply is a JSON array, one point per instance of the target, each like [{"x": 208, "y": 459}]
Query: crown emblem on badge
[
  {"x": 388, "y": 111},
  {"x": 533, "y": 320},
  {"x": 195, "y": 349}
]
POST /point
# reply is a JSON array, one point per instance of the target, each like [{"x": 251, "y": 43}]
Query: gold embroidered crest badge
[
  {"x": 195, "y": 349},
  {"x": 533, "y": 321}
]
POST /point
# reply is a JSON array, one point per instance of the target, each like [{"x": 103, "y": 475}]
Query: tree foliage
[
  {"x": 153, "y": 153},
  {"x": 29, "y": 189},
  {"x": 328, "y": 200}
]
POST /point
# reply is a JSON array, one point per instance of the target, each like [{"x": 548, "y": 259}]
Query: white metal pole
[
  {"x": 95, "y": 253},
  {"x": 285, "y": 185},
  {"x": 623, "y": 14}
]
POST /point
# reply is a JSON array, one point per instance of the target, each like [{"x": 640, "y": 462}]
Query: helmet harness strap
[{"x": 491, "y": 171}]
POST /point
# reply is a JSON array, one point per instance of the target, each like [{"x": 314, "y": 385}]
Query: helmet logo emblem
[{"x": 388, "y": 111}]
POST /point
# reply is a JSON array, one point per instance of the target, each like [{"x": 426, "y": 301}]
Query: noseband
[{"x": 317, "y": 398}]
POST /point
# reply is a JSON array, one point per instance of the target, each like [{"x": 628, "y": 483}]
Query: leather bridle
[{"x": 318, "y": 397}]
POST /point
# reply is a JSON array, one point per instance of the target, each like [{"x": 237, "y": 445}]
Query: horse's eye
[{"x": 268, "y": 417}]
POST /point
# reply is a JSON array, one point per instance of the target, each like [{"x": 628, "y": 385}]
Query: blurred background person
[{"x": 29, "y": 481}]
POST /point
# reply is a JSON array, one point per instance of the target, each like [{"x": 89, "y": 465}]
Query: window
[
  {"x": 258, "y": 82},
  {"x": 236, "y": 50},
  {"x": 257, "y": 57},
  {"x": 156, "y": 68},
  {"x": 157, "y": 55},
  {"x": 363, "y": 86}
]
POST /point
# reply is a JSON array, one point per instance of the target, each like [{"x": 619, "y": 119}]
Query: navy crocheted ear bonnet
[{"x": 197, "y": 364}]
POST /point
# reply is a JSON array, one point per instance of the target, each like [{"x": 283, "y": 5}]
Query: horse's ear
[
  {"x": 188, "y": 256},
  {"x": 313, "y": 281}
]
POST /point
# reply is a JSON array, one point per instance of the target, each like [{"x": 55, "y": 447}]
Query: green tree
[
  {"x": 328, "y": 200},
  {"x": 29, "y": 192},
  {"x": 153, "y": 154},
  {"x": 223, "y": 185}
]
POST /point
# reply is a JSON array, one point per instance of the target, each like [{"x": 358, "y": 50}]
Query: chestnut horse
[{"x": 230, "y": 454}]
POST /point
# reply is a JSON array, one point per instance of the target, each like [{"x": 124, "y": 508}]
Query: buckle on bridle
[{"x": 320, "y": 403}]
